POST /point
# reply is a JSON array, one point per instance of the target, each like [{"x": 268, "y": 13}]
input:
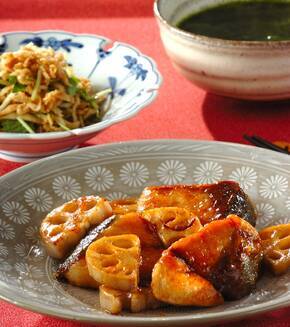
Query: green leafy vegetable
[
  {"x": 25, "y": 125},
  {"x": 35, "y": 90},
  {"x": 12, "y": 79},
  {"x": 93, "y": 103},
  {"x": 64, "y": 127},
  {"x": 74, "y": 80},
  {"x": 84, "y": 95},
  {"x": 13, "y": 126},
  {"x": 73, "y": 89},
  {"x": 17, "y": 87},
  {"x": 73, "y": 86}
]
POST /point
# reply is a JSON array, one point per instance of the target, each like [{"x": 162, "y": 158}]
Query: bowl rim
[
  {"x": 94, "y": 128},
  {"x": 218, "y": 42}
]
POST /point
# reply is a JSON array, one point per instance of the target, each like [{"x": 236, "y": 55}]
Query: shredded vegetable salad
[{"x": 39, "y": 93}]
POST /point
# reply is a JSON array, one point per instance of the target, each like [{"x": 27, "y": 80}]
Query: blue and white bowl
[{"x": 132, "y": 76}]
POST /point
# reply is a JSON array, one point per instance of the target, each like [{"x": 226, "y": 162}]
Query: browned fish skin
[
  {"x": 226, "y": 252},
  {"x": 83, "y": 245},
  {"x": 130, "y": 223},
  {"x": 208, "y": 202}
]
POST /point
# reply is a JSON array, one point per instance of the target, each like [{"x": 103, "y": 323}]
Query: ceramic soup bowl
[{"x": 254, "y": 70}]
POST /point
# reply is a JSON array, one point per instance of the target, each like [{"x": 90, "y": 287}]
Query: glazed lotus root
[
  {"x": 115, "y": 301},
  {"x": 151, "y": 246},
  {"x": 114, "y": 261},
  {"x": 172, "y": 223},
  {"x": 65, "y": 226},
  {"x": 276, "y": 248},
  {"x": 74, "y": 268},
  {"x": 220, "y": 261},
  {"x": 77, "y": 273}
]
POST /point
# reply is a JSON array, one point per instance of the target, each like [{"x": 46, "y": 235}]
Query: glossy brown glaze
[
  {"x": 227, "y": 253},
  {"x": 151, "y": 246},
  {"x": 208, "y": 202},
  {"x": 173, "y": 282},
  {"x": 130, "y": 223},
  {"x": 123, "y": 206},
  {"x": 149, "y": 257},
  {"x": 81, "y": 248}
]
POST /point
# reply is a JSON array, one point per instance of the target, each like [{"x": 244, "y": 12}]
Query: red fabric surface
[{"x": 180, "y": 111}]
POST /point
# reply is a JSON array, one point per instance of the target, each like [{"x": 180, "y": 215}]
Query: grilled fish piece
[
  {"x": 208, "y": 202},
  {"x": 173, "y": 282},
  {"x": 151, "y": 246},
  {"x": 149, "y": 257},
  {"x": 221, "y": 260},
  {"x": 130, "y": 223},
  {"x": 78, "y": 274},
  {"x": 63, "y": 228}
]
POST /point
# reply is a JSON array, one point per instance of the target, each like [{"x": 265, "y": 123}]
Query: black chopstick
[{"x": 259, "y": 141}]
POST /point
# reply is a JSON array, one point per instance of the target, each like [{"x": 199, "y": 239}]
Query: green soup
[{"x": 245, "y": 21}]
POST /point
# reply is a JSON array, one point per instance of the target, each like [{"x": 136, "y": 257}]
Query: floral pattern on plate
[
  {"x": 208, "y": 172},
  {"x": 16, "y": 212},
  {"x": 66, "y": 187},
  {"x": 6, "y": 230},
  {"x": 288, "y": 203},
  {"x": 4, "y": 266},
  {"x": 38, "y": 199},
  {"x": 171, "y": 172},
  {"x": 99, "y": 178},
  {"x": 245, "y": 176},
  {"x": 116, "y": 196},
  {"x": 265, "y": 214},
  {"x": 134, "y": 174},
  {"x": 273, "y": 187},
  {"x": 32, "y": 233},
  {"x": 121, "y": 171},
  {"x": 3, "y": 250}
]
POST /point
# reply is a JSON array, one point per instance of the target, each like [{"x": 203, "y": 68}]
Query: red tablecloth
[{"x": 180, "y": 111}]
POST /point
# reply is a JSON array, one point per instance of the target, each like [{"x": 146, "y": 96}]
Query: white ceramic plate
[{"x": 121, "y": 170}]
